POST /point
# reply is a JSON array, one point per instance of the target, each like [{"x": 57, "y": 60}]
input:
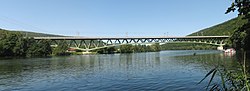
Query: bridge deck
[{"x": 104, "y": 38}]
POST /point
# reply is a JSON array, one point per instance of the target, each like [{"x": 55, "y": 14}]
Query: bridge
[{"x": 94, "y": 43}]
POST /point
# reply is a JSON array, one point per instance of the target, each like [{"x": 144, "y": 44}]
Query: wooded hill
[
  {"x": 226, "y": 28},
  {"x": 30, "y": 34}
]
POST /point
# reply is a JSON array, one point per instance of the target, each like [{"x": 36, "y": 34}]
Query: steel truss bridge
[{"x": 94, "y": 43}]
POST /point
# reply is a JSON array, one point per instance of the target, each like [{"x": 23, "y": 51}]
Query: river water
[{"x": 154, "y": 71}]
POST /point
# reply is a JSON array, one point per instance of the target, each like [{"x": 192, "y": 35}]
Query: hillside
[
  {"x": 226, "y": 28},
  {"x": 30, "y": 34}
]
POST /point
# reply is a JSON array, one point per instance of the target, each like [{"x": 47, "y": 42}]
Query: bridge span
[
  {"x": 133, "y": 37},
  {"x": 93, "y": 43}
]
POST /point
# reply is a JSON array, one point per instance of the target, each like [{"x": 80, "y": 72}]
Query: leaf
[
  {"x": 211, "y": 71},
  {"x": 214, "y": 87},
  {"x": 223, "y": 81},
  {"x": 212, "y": 77}
]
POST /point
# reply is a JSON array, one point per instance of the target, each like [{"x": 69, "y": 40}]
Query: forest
[{"x": 16, "y": 44}]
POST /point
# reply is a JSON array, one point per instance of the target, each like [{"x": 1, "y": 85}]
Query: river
[{"x": 155, "y": 71}]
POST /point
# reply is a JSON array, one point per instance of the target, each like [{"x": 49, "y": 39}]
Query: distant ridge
[
  {"x": 32, "y": 34},
  {"x": 227, "y": 28}
]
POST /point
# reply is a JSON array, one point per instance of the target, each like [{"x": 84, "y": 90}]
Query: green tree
[
  {"x": 242, "y": 6},
  {"x": 128, "y": 48},
  {"x": 155, "y": 47},
  {"x": 241, "y": 37},
  {"x": 107, "y": 50},
  {"x": 20, "y": 49},
  {"x": 40, "y": 48},
  {"x": 15, "y": 44},
  {"x": 10, "y": 43},
  {"x": 61, "y": 49}
]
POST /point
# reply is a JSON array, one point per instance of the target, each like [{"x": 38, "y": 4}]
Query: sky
[{"x": 113, "y": 17}]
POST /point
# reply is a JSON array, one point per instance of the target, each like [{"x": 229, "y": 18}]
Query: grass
[{"x": 230, "y": 80}]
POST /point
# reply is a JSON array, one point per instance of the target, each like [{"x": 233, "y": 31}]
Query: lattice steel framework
[{"x": 88, "y": 44}]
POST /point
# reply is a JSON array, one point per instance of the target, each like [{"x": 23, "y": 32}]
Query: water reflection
[
  {"x": 211, "y": 60},
  {"x": 175, "y": 70}
]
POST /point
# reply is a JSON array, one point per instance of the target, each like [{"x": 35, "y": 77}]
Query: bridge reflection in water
[{"x": 94, "y": 43}]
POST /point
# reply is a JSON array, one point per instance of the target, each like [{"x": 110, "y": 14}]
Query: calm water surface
[{"x": 164, "y": 71}]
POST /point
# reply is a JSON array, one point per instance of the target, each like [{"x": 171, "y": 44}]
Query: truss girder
[{"x": 93, "y": 44}]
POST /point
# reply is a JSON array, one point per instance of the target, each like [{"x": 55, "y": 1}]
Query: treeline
[
  {"x": 227, "y": 28},
  {"x": 30, "y": 34},
  {"x": 129, "y": 48},
  {"x": 187, "y": 46},
  {"x": 15, "y": 44},
  {"x": 139, "y": 48}
]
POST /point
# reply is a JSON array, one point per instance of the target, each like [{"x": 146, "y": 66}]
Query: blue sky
[{"x": 113, "y": 17}]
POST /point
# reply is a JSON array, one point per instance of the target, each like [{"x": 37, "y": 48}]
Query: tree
[
  {"x": 61, "y": 49},
  {"x": 107, "y": 50},
  {"x": 15, "y": 44},
  {"x": 10, "y": 44},
  {"x": 242, "y": 6},
  {"x": 155, "y": 47},
  {"x": 127, "y": 48},
  {"x": 21, "y": 47},
  {"x": 40, "y": 48},
  {"x": 241, "y": 38}
]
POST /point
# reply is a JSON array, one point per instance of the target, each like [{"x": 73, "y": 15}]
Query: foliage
[
  {"x": 61, "y": 49},
  {"x": 187, "y": 46},
  {"x": 128, "y": 48},
  {"x": 232, "y": 80},
  {"x": 238, "y": 28},
  {"x": 14, "y": 44},
  {"x": 240, "y": 40},
  {"x": 227, "y": 28},
  {"x": 41, "y": 48},
  {"x": 155, "y": 47},
  {"x": 29, "y": 34},
  {"x": 107, "y": 50},
  {"x": 243, "y": 7},
  {"x": 241, "y": 37},
  {"x": 8, "y": 42}
]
